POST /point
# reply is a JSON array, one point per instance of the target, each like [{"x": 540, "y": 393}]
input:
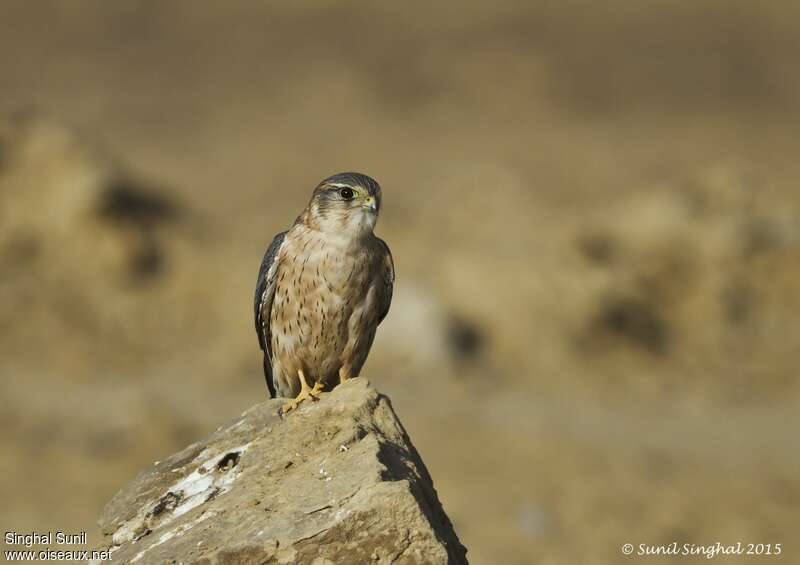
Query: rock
[
  {"x": 64, "y": 202},
  {"x": 337, "y": 481},
  {"x": 92, "y": 256}
]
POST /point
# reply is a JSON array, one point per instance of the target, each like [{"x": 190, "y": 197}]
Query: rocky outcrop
[
  {"x": 337, "y": 481},
  {"x": 78, "y": 232}
]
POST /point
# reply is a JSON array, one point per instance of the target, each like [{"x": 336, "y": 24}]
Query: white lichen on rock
[{"x": 214, "y": 473}]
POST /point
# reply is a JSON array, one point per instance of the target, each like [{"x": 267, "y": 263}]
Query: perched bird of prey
[{"x": 323, "y": 288}]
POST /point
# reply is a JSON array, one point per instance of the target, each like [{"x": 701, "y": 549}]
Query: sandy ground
[{"x": 594, "y": 217}]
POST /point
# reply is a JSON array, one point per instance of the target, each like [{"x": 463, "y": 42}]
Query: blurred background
[{"x": 594, "y": 214}]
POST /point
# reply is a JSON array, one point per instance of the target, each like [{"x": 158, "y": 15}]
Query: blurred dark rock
[
  {"x": 337, "y": 481},
  {"x": 77, "y": 234},
  {"x": 147, "y": 261},
  {"x": 633, "y": 321},
  {"x": 71, "y": 203},
  {"x": 465, "y": 339},
  {"x": 739, "y": 301},
  {"x": 597, "y": 247},
  {"x": 675, "y": 277},
  {"x": 125, "y": 200}
]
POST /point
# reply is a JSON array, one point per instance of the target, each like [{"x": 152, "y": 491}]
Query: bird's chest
[{"x": 319, "y": 286}]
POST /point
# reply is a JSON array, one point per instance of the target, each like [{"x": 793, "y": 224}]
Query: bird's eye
[{"x": 346, "y": 193}]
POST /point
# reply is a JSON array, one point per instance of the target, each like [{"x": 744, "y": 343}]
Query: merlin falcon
[{"x": 323, "y": 287}]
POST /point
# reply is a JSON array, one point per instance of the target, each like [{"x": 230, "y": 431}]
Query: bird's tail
[{"x": 268, "y": 375}]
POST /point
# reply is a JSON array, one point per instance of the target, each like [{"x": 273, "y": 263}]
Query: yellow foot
[{"x": 306, "y": 392}]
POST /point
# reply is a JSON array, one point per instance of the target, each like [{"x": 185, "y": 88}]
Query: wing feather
[
  {"x": 385, "y": 298},
  {"x": 265, "y": 292}
]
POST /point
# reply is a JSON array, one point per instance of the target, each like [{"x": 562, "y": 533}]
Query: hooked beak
[{"x": 370, "y": 204}]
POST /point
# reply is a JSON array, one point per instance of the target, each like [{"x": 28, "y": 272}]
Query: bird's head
[{"x": 346, "y": 204}]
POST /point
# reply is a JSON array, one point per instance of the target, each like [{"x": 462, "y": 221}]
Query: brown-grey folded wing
[
  {"x": 387, "y": 276},
  {"x": 265, "y": 292}
]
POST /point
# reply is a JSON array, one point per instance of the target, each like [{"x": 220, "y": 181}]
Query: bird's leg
[
  {"x": 305, "y": 393},
  {"x": 344, "y": 375}
]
